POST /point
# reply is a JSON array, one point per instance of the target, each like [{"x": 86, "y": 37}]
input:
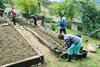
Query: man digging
[
  {"x": 35, "y": 19},
  {"x": 73, "y": 44}
]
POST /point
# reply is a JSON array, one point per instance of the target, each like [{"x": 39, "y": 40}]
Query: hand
[
  {"x": 65, "y": 48},
  {"x": 60, "y": 28},
  {"x": 41, "y": 20}
]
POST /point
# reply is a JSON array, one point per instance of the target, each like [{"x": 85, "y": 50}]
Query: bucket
[
  {"x": 84, "y": 52},
  {"x": 57, "y": 50}
]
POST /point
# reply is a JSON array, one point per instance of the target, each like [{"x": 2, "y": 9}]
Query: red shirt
[{"x": 12, "y": 12}]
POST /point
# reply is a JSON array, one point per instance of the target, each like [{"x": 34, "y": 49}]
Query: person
[
  {"x": 62, "y": 26},
  {"x": 73, "y": 44},
  {"x": 13, "y": 15},
  {"x": 42, "y": 20},
  {"x": 35, "y": 19}
]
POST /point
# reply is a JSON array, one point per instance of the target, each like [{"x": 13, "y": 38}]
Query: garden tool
[{"x": 85, "y": 38}]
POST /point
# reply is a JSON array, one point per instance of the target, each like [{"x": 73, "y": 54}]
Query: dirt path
[{"x": 50, "y": 58}]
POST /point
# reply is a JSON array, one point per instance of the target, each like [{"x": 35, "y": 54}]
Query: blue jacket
[
  {"x": 62, "y": 24},
  {"x": 72, "y": 39}
]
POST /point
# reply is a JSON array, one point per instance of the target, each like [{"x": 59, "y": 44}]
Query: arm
[
  {"x": 60, "y": 25},
  {"x": 67, "y": 40}
]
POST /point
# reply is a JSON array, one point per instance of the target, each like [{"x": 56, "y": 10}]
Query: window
[{"x": 80, "y": 28}]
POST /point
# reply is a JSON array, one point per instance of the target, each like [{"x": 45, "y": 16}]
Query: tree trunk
[{"x": 39, "y": 6}]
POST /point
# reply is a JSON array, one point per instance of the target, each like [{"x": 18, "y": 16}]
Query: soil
[
  {"x": 50, "y": 40},
  {"x": 3, "y": 21},
  {"x": 49, "y": 57},
  {"x": 50, "y": 34},
  {"x": 13, "y": 47}
]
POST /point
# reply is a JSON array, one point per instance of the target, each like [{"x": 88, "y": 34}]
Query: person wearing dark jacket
[
  {"x": 42, "y": 20},
  {"x": 73, "y": 44},
  {"x": 62, "y": 26},
  {"x": 35, "y": 19}
]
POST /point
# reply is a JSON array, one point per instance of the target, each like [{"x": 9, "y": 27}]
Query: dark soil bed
[
  {"x": 13, "y": 47},
  {"x": 50, "y": 34},
  {"x": 50, "y": 40}
]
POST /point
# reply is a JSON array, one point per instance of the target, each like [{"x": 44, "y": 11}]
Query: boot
[
  {"x": 69, "y": 58},
  {"x": 77, "y": 57}
]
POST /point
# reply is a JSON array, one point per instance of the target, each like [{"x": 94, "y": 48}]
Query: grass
[{"x": 92, "y": 60}]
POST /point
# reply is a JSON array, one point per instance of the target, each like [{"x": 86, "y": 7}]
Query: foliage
[
  {"x": 89, "y": 14},
  {"x": 10, "y": 2},
  {"x": 66, "y": 8},
  {"x": 28, "y": 6},
  {"x": 2, "y": 4}
]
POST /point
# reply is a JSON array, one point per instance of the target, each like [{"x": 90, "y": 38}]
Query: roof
[
  {"x": 78, "y": 20},
  {"x": 56, "y": 20}
]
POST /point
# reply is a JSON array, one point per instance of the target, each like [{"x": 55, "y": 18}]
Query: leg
[
  {"x": 70, "y": 50},
  {"x": 78, "y": 48},
  {"x": 35, "y": 22},
  {"x": 14, "y": 20},
  {"x": 60, "y": 31},
  {"x": 64, "y": 31},
  {"x": 43, "y": 23}
]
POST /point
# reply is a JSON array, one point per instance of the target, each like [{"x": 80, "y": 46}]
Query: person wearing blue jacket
[
  {"x": 73, "y": 42},
  {"x": 62, "y": 26}
]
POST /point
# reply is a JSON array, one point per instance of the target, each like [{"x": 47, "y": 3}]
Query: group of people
[
  {"x": 32, "y": 16},
  {"x": 73, "y": 42}
]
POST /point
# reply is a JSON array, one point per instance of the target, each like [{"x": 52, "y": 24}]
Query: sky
[{"x": 56, "y": 0}]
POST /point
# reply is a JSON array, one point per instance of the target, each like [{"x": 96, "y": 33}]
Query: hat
[{"x": 63, "y": 18}]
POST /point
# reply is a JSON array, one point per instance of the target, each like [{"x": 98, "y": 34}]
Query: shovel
[{"x": 85, "y": 38}]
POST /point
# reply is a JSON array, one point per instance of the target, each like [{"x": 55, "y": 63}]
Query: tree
[
  {"x": 28, "y": 6},
  {"x": 2, "y": 4},
  {"x": 10, "y": 2},
  {"x": 89, "y": 14},
  {"x": 66, "y": 8}
]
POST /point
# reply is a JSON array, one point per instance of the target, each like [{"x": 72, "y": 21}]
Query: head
[
  {"x": 61, "y": 37},
  {"x": 63, "y": 19},
  {"x": 12, "y": 7},
  {"x": 78, "y": 34},
  {"x": 30, "y": 15},
  {"x": 40, "y": 14}
]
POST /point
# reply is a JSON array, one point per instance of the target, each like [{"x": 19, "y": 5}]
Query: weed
[
  {"x": 54, "y": 42},
  {"x": 42, "y": 34},
  {"x": 58, "y": 44}
]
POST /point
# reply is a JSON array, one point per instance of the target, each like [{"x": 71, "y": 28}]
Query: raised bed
[
  {"x": 50, "y": 34},
  {"x": 16, "y": 50},
  {"x": 46, "y": 40},
  {"x": 49, "y": 42}
]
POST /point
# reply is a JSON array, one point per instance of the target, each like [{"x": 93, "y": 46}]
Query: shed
[{"x": 77, "y": 24}]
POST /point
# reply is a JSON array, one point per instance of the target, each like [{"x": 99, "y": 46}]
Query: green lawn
[{"x": 92, "y": 60}]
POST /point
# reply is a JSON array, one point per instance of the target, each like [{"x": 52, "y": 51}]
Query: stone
[{"x": 91, "y": 48}]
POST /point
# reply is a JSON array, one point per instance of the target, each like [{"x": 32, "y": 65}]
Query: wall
[{"x": 74, "y": 26}]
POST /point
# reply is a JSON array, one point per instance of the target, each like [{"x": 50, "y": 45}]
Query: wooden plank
[{"x": 18, "y": 63}]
